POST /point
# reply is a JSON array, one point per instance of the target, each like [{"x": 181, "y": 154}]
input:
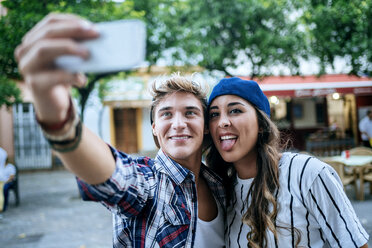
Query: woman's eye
[
  {"x": 235, "y": 111},
  {"x": 213, "y": 114}
]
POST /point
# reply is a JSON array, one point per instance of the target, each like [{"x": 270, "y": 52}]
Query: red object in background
[{"x": 347, "y": 154}]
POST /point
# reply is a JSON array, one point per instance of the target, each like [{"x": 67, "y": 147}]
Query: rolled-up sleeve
[{"x": 128, "y": 189}]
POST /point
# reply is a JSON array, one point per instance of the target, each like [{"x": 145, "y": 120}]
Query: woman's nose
[{"x": 224, "y": 122}]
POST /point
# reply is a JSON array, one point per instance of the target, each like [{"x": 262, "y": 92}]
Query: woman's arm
[{"x": 334, "y": 212}]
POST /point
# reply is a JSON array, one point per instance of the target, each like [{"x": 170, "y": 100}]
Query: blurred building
[
  {"x": 20, "y": 135},
  {"x": 319, "y": 114}
]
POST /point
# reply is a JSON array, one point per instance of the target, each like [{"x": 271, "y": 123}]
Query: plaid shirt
[{"x": 154, "y": 202}]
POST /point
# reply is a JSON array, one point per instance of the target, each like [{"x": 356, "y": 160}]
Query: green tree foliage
[
  {"x": 24, "y": 14},
  {"x": 9, "y": 92},
  {"x": 340, "y": 28},
  {"x": 163, "y": 26},
  {"x": 228, "y": 33}
]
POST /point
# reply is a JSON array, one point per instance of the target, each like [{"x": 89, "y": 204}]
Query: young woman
[{"x": 276, "y": 199}]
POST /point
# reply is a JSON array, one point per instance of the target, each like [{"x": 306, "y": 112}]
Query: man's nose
[{"x": 179, "y": 121}]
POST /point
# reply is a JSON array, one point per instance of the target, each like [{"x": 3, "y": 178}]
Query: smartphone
[{"x": 121, "y": 46}]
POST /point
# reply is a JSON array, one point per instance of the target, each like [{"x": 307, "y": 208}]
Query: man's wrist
[
  {"x": 66, "y": 135},
  {"x": 57, "y": 127}
]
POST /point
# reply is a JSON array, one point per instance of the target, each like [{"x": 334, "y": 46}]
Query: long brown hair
[{"x": 262, "y": 211}]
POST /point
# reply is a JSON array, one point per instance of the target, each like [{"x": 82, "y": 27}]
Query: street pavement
[{"x": 51, "y": 215}]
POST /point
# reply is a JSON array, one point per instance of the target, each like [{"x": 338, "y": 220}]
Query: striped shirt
[
  {"x": 311, "y": 200},
  {"x": 153, "y": 202}
]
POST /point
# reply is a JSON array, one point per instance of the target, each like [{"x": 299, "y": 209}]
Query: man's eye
[
  {"x": 190, "y": 113},
  {"x": 166, "y": 114}
]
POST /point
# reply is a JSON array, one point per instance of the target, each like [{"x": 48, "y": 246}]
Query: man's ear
[{"x": 153, "y": 129}]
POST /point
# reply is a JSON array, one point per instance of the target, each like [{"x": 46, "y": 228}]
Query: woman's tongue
[{"x": 227, "y": 144}]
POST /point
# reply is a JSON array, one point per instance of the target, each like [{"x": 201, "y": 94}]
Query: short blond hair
[{"x": 177, "y": 83}]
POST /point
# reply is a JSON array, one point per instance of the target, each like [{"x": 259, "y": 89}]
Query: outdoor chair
[
  {"x": 360, "y": 150},
  {"x": 15, "y": 187},
  {"x": 367, "y": 177},
  {"x": 346, "y": 178}
]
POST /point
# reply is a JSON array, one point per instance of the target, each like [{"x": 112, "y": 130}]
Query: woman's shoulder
[
  {"x": 298, "y": 162},
  {"x": 300, "y": 169}
]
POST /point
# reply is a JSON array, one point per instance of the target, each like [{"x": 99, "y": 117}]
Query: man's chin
[{"x": 179, "y": 154}]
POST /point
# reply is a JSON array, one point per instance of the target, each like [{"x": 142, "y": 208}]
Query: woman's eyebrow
[
  {"x": 234, "y": 103},
  {"x": 229, "y": 105}
]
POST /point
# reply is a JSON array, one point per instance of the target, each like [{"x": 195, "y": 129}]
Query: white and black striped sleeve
[{"x": 328, "y": 203}]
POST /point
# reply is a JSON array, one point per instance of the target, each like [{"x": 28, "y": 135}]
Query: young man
[
  {"x": 166, "y": 202},
  {"x": 365, "y": 128},
  {"x": 7, "y": 176}
]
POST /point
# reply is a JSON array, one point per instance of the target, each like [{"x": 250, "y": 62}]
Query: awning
[{"x": 311, "y": 86}]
